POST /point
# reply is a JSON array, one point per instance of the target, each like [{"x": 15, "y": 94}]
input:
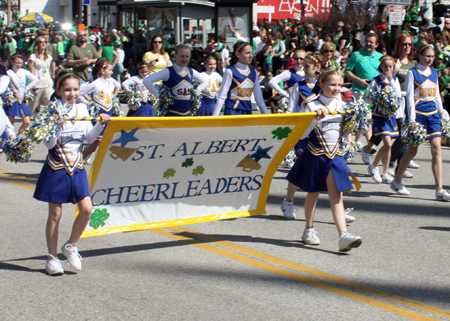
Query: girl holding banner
[
  {"x": 239, "y": 82},
  {"x": 321, "y": 167},
  {"x": 178, "y": 80},
  {"x": 63, "y": 178}
]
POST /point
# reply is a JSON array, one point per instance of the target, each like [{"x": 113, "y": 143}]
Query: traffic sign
[{"x": 395, "y": 15}]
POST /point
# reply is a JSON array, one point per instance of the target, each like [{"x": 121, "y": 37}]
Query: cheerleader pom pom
[
  {"x": 359, "y": 119},
  {"x": 414, "y": 134},
  {"x": 166, "y": 99},
  {"x": 386, "y": 100},
  {"x": 8, "y": 99},
  {"x": 17, "y": 150},
  {"x": 47, "y": 124},
  {"x": 445, "y": 124},
  {"x": 283, "y": 103},
  {"x": 290, "y": 158},
  {"x": 29, "y": 97},
  {"x": 348, "y": 149},
  {"x": 93, "y": 109},
  {"x": 116, "y": 108},
  {"x": 196, "y": 101},
  {"x": 133, "y": 101}
]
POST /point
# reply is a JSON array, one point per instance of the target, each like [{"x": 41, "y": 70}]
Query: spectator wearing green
[
  {"x": 81, "y": 56},
  {"x": 107, "y": 51},
  {"x": 58, "y": 43},
  {"x": 338, "y": 33},
  {"x": 361, "y": 69},
  {"x": 412, "y": 13},
  {"x": 10, "y": 49},
  {"x": 279, "y": 48}
]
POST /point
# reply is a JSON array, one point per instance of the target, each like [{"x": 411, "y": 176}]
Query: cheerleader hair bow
[
  {"x": 386, "y": 101},
  {"x": 47, "y": 124}
]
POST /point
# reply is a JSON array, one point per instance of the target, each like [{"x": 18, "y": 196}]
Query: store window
[
  {"x": 105, "y": 16},
  {"x": 195, "y": 32}
]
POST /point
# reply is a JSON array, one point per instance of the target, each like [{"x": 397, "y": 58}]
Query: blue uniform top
[
  {"x": 241, "y": 88},
  {"x": 425, "y": 86},
  {"x": 181, "y": 87},
  {"x": 295, "y": 77}
]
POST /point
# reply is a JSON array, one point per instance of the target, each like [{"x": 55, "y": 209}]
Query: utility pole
[{"x": 9, "y": 13}]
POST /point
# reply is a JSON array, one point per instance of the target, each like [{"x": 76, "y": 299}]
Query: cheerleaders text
[{"x": 175, "y": 190}]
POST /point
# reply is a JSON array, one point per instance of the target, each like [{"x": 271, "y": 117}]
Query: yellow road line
[
  {"x": 297, "y": 277},
  {"x": 17, "y": 180},
  {"x": 317, "y": 273}
]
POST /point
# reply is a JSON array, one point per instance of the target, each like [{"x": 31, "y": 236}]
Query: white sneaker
[
  {"x": 310, "y": 237},
  {"x": 407, "y": 174},
  {"x": 288, "y": 209},
  {"x": 387, "y": 178},
  {"x": 53, "y": 266},
  {"x": 358, "y": 146},
  {"x": 89, "y": 160},
  {"x": 399, "y": 188},
  {"x": 375, "y": 173},
  {"x": 365, "y": 156},
  {"x": 349, "y": 218},
  {"x": 412, "y": 164},
  {"x": 287, "y": 165},
  {"x": 73, "y": 258},
  {"x": 391, "y": 171},
  {"x": 348, "y": 241},
  {"x": 442, "y": 195}
]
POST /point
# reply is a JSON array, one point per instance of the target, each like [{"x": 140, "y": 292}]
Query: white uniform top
[
  {"x": 165, "y": 75},
  {"x": 215, "y": 79},
  {"x": 69, "y": 142},
  {"x": 394, "y": 83},
  {"x": 19, "y": 79},
  {"x": 4, "y": 83},
  {"x": 138, "y": 82},
  {"x": 226, "y": 83},
  {"x": 102, "y": 91},
  {"x": 42, "y": 68},
  {"x": 284, "y": 76},
  {"x": 328, "y": 130}
]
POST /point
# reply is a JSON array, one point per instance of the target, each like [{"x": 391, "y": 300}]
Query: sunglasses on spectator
[
  {"x": 407, "y": 44},
  {"x": 43, "y": 41},
  {"x": 328, "y": 51},
  {"x": 157, "y": 41},
  {"x": 82, "y": 35},
  {"x": 299, "y": 58}
]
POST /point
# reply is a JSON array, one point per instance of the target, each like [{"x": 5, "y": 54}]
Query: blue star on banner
[
  {"x": 261, "y": 153},
  {"x": 125, "y": 138}
]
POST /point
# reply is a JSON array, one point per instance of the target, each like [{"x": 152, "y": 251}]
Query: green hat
[
  {"x": 141, "y": 25},
  {"x": 441, "y": 55},
  {"x": 440, "y": 67},
  {"x": 117, "y": 43},
  {"x": 285, "y": 21}
]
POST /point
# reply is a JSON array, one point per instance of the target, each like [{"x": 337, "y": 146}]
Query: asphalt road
[{"x": 241, "y": 269}]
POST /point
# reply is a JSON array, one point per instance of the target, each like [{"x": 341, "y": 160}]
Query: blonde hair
[
  {"x": 36, "y": 47},
  {"x": 327, "y": 73}
]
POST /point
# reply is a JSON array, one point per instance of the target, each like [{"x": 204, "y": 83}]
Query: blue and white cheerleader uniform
[
  {"x": 179, "y": 79},
  {"x": 18, "y": 88},
  {"x": 146, "y": 109},
  {"x": 102, "y": 91},
  {"x": 290, "y": 77},
  {"x": 63, "y": 178},
  {"x": 423, "y": 100},
  {"x": 239, "y": 82},
  {"x": 210, "y": 97},
  {"x": 382, "y": 126},
  {"x": 323, "y": 152},
  {"x": 9, "y": 128}
]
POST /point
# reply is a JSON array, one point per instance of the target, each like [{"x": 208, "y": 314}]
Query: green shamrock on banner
[
  {"x": 98, "y": 217},
  {"x": 169, "y": 173},
  {"x": 198, "y": 170},
  {"x": 188, "y": 162},
  {"x": 281, "y": 133}
]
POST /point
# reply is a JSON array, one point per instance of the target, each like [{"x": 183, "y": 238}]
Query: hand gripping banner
[{"x": 161, "y": 172}]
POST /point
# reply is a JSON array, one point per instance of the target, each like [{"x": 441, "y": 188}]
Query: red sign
[{"x": 284, "y": 9}]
